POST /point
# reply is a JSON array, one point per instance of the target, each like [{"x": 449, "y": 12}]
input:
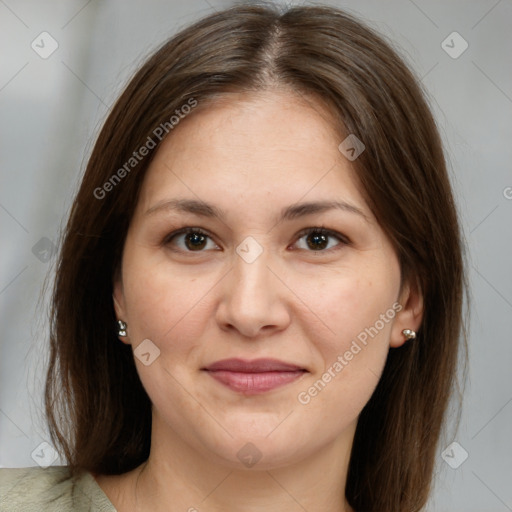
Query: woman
[{"x": 258, "y": 297}]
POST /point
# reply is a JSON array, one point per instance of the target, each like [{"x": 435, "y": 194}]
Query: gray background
[{"x": 51, "y": 110}]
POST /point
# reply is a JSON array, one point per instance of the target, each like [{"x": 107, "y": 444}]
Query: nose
[{"x": 254, "y": 299}]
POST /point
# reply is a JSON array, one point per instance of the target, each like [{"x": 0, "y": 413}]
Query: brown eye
[
  {"x": 317, "y": 241},
  {"x": 321, "y": 240},
  {"x": 190, "y": 240},
  {"x": 195, "y": 241}
]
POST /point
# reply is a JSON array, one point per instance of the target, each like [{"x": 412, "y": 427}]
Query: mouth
[{"x": 254, "y": 377}]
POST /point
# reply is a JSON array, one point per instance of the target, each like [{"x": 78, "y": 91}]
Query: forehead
[
  {"x": 271, "y": 145},
  {"x": 271, "y": 120}
]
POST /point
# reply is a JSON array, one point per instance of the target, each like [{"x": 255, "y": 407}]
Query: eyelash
[{"x": 320, "y": 230}]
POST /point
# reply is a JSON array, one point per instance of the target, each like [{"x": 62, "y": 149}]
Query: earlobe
[{"x": 409, "y": 318}]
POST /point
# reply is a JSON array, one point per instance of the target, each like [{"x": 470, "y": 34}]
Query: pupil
[
  {"x": 318, "y": 241},
  {"x": 196, "y": 240}
]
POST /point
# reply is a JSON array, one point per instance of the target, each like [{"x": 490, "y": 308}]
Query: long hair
[{"x": 98, "y": 412}]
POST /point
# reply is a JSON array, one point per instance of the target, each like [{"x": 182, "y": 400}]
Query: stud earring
[
  {"x": 409, "y": 334},
  {"x": 121, "y": 330}
]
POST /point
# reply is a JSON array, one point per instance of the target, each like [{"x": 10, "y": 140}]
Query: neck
[{"x": 177, "y": 474}]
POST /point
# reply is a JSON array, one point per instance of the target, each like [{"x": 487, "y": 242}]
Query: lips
[
  {"x": 255, "y": 376},
  {"x": 254, "y": 366}
]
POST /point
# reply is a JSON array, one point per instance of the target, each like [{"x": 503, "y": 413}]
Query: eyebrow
[{"x": 291, "y": 212}]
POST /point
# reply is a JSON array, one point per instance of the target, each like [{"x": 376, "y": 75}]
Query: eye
[
  {"x": 191, "y": 240},
  {"x": 317, "y": 239}
]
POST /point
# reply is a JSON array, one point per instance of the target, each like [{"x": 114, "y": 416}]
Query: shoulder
[{"x": 35, "y": 489}]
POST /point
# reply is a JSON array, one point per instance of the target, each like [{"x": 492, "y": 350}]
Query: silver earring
[
  {"x": 121, "y": 331},
  {"x": 409, "y": 334}
]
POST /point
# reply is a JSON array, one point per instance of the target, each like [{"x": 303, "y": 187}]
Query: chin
[{"x": 262, "y": 449}]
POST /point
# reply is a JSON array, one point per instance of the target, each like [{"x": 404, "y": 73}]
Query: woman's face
[{"x": 249, "y": 176}]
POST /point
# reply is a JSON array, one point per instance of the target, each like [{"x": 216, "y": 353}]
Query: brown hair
[{"x": 98, "y": 412}]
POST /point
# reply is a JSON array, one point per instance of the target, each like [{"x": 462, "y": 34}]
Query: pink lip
[{"x": 256, "y": 376}]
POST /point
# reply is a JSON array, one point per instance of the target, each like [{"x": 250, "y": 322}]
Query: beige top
[{"x": 52, "y": 489}]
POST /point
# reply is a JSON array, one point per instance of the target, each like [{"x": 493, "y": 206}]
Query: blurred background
[{"x": 64, "y": 63}]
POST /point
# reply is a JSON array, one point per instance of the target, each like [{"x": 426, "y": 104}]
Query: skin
[{"x": 251, "y": 155}]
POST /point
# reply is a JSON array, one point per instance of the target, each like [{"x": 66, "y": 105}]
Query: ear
[
  {"x": 411, "y": 314},
  {"x": 119, "y": 302}
]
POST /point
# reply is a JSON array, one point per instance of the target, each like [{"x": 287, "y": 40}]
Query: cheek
[
  {"x": 350, "y": 306},
  {"x": 161, "y": 302},
  {"x": 351, "y": 355},
  {"x": 169, "y": 308}
]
